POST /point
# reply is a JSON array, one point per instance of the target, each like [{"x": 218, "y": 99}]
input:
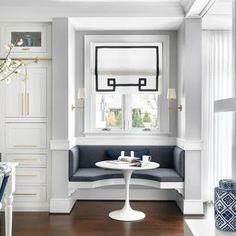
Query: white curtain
[{"x": 217, "y": 127}]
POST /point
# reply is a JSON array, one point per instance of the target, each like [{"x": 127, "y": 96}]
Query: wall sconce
[
  {"x": 171, "y": 95},
  {"x": 80, "y": 97}
]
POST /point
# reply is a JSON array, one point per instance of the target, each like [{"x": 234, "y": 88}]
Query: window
[
  {"x": 127, "y": 112},
  {"x": 109, "y": 111},
  {"x": 127, "y": 84},
  {"x": 145, "y": 111}
]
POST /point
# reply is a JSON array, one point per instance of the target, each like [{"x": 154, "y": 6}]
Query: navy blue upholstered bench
[{"x": 83, "y": 172}]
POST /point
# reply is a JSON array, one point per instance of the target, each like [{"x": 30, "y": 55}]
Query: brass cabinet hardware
[
  {"x": 22, "y": 104},
  {"x": 27, "y": 103},
  {"x": 21, "y": 175},
  {"x": 28, "y": 59},
  {"x": 25, "y": 146},
  {"x": 25, "y": 49},
  {"x": 25, "y": 194},
  {"x": 24, "y": 159}
]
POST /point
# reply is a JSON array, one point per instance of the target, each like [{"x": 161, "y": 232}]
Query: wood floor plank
[{"x": 90, "y": 218}]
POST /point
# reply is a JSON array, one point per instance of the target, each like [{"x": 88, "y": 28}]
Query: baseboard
[
  {"x": 119, "y": 194},
  {"x": 189, "y": 207},
  {"x": 30, "y": 207},
  {"x": 61, "y": 205}
]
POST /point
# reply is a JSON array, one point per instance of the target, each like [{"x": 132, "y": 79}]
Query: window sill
[
  {"x": 125, "y": 133},
  {"x": 114, "y": 138}
]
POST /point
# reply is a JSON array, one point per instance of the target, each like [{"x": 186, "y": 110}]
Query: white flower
[
  {"x": 20, "y": 42},
  {"x": 10, "y": 66}
]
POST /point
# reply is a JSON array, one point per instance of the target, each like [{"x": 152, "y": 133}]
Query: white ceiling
[
  {"x": 221, "y": 7},
  {"x": 119, "y": 14},
  {"x": 105, "y": 8},
  {"x": 100, "y": 14},
  {"x": 126, "y": 23},
  {"x": 219, "y": 16}
]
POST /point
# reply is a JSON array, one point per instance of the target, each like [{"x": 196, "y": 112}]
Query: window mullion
[{"x": 127, "y": 112}]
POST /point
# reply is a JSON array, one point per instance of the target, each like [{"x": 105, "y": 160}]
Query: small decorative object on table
[
  {"x": 225, "y": 205},
  {"x": 132, "y": 160}
]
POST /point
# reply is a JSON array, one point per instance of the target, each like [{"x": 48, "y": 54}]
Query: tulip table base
[{"x": 127, "y": 213}]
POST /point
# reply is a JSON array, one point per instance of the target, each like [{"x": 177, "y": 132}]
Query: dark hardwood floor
[{"x": 90, "y": 218}]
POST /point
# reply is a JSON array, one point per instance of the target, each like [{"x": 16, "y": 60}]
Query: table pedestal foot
[{"x": 127, "y": 215}]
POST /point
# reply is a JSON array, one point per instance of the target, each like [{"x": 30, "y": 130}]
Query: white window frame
[{"x": 90, "y": 42}]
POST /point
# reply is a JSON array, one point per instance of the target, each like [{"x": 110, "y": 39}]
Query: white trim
[
  {"x": 197, "y": 9},
  {"x": 31, "y": 206},
  {"x": 61, "y": 144},
  {"x": 112, "y": 139},
  {"x": 61, "y": 205},
  {"x": 142, "y": 194},
  {"x": 125, "y": 140},
  {"x": 120, "y": 181},
  {"x": 189, "y": 145},
  {"x": 189, "y": 207}
]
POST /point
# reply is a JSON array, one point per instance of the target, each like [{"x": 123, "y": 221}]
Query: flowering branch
[{"x": 10, "y": 66}]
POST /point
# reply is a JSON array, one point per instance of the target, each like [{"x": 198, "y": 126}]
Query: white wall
[
  {"x": 181, "y": 89},
  {"x": 60, "y": 79},
  {"x": 62, "y": 115},
  {"x": 189, "y": 120},
  {"x": 80, "y": 68},
  {"x": 72, "y": 92}
]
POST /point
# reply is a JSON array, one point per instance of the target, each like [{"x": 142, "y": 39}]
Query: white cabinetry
[
  {"x": 36, "y": 39},
  {"x": 26, "y": 160},
  {"x": 14, "y": 101},
  {"x": 36, "y": 96},
  {"x": 25, "y": 116},
  {"x": 30, "y": 136},
  {"x": 27, "y": 97}
]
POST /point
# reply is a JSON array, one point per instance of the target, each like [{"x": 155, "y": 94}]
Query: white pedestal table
[{"x": 126, "y": 213}]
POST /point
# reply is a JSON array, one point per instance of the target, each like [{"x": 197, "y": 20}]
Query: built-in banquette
[{"x": 83, "y": 172}]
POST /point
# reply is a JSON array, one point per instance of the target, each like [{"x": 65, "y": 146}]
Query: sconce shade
[
  {"x": 80, "y": 93},
  {"x": 171, "y": 94}
]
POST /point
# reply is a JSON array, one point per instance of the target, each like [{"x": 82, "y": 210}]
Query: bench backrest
[
  {"x": 85, "y": 156},
  {"x": 90, "y": 154}
]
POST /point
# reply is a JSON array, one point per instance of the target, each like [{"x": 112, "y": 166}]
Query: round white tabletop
[
  {"x": 126, "y": 213},
  {"x": 118, "y": 165}
]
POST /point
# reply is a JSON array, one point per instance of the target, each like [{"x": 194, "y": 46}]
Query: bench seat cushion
[{"x": 94, "y": 174}]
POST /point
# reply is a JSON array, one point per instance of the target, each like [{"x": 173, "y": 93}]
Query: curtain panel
[{"x": 217, "y": 128}]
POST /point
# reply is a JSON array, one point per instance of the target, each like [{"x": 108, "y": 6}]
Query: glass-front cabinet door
[{"x": 36, "y": 39}]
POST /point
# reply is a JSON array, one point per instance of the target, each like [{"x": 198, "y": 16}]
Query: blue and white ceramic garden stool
[{"x": 225, "y": 205}]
